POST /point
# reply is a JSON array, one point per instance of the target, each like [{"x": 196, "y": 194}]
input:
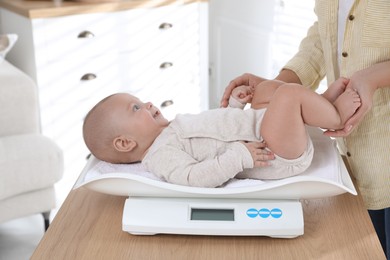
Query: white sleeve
[
  {"x": 235, "y": 103},
  {"x": 179, "y": 167}
]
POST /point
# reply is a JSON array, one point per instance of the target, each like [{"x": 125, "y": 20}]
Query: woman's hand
[
  {"x": 365, "y": 82},
  {"x": 245, "y": 79},
  {"x": 366, "y": 90}
]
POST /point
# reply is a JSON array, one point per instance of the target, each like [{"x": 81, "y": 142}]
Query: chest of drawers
[{"x": 158, "y": 53}]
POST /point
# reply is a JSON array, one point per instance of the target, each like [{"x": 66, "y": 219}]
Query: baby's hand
[
  {"x": 243, "y": 94},
  {"x": 260, "y": 155}
]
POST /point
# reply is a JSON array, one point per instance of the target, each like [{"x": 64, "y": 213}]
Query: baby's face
[{"x": 140, "y": 120}]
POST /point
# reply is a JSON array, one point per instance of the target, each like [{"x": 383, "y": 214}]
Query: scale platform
[{"x": 217, "y": 217}]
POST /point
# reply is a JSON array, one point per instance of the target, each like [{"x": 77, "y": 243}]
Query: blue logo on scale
[{"x": 264, "y": 213}]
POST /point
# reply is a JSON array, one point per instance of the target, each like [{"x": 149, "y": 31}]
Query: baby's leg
[
  {"x": 335, "y": 89},
  {"x": 292, "y": 106},
  {"x": 263, "y": 93}
]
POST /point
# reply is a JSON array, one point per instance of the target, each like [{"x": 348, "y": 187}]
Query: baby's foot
[{"x": 347, "y": 104}]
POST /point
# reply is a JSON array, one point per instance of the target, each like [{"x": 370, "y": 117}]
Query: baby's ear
[{"x": 124, "y": 144}]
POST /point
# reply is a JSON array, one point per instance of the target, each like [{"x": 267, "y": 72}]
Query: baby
[{"x": 267, "y": 141}]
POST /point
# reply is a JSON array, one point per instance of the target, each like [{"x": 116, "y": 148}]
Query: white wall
[{"x": 255, "y": 36}]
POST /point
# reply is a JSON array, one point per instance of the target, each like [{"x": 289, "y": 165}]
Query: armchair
[{"x": 30, "y": 163}]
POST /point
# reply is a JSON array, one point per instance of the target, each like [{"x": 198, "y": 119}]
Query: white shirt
[{"x": 344, "y": 8}]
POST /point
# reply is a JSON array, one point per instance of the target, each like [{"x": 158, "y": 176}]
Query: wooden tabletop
[
  {"x": 44, "y": 9},
  {"x": 89, "y": 226}
]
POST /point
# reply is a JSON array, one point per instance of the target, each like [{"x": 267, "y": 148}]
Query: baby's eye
[{"x": 136, "y": 107}]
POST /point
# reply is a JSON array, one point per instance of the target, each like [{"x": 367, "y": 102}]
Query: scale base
[{"x": 215, "y": 217}]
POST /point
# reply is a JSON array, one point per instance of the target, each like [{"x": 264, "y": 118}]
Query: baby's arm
[
  {"x": 241, "y": 96},
  {"x": 176, "y": 166}
]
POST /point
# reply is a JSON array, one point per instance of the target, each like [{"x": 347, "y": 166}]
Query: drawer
[
  {"x": 66, "y": 115},
  {"x": 90, "y": 35},
  {"x": 78, "y": 77},
  {"x": 69, "y": 82},
  {"x": 78, "y": 80}
]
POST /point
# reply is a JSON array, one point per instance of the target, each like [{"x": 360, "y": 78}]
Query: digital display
[{"x": 212, "y": 214}]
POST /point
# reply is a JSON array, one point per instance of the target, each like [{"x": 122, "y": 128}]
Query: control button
[
  {"x": 252, "y": 213},
  {"x": 276, "y": 213},
  {"x": 264, "y": 213}
]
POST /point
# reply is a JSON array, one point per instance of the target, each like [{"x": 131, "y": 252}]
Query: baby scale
[{"x": 240, "y": 208}]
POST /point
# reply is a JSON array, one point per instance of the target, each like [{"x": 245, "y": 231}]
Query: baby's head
[{"x": 120, "y": 128}]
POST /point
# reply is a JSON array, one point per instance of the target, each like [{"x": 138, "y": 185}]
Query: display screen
[{"x": 212, "y": 214}]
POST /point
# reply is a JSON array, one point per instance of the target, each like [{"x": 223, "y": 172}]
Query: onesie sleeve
[
  {"x": 178, "y": 167},
  {"x": 234, "y": 103}
]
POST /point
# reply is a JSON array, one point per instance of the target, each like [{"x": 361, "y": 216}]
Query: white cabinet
[{"x": 158, "y": 54}]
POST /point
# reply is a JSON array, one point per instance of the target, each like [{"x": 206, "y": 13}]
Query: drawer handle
[
  {"x": 85, "y": 34},
  {"x": 166, "y": 103},
  {"x": 165, "y": 26},
  {"x": 166, "y": 65},
  {"x": 88, "y": 76}
]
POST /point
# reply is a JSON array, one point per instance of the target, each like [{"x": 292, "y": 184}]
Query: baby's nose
[{"x": 149, "y": 105}]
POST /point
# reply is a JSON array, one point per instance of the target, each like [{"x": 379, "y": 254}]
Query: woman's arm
[
  {"x": 288, "y": 76},
  {"x": 365, "y": 82}
]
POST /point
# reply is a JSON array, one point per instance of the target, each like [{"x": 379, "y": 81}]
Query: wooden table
[{"x": 88, "y": 226}]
